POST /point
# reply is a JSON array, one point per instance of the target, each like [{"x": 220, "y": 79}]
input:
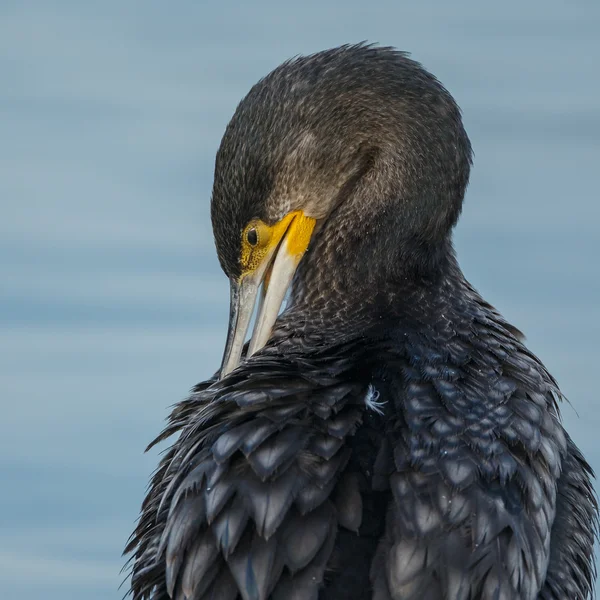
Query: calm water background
[{"x": 112, "y": 303}]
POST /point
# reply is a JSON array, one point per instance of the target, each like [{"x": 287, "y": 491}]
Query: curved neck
[{"x": 352, "y": 281}]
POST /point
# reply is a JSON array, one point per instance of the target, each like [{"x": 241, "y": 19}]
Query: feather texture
[{"x": 465, "y": 487}]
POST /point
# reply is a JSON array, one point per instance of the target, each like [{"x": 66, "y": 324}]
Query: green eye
[{"x": 252, "y": 237}]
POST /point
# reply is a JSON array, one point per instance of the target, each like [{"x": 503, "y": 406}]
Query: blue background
[{"x": 112, "y": 304}]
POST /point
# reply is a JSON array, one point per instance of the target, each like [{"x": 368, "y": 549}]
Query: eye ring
[{"x": 252, "y": 236}]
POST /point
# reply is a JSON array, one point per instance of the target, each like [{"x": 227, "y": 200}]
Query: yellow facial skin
[
  {"x": 259, "y": 240},
  {"x": 270, "y": 255}
]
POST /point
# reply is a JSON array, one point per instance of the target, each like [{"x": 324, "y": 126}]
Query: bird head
[{"x": 358, "y": 146}]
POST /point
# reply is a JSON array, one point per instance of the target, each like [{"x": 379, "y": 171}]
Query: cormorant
[{"x": 389, "y": 436}]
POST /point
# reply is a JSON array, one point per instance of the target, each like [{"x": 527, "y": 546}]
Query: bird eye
[{"x": 252, "y": 236}]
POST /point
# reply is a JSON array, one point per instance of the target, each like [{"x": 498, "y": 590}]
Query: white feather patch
[{"x": 372, "y": 400}]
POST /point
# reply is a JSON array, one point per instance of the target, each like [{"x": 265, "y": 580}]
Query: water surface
[{"x": 112, "y": 303}]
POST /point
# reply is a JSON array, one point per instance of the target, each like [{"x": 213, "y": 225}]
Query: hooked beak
[{"x": 275, "y": 273}]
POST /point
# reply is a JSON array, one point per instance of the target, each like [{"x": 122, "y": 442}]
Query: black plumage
[{"x": 394, "y": 439}]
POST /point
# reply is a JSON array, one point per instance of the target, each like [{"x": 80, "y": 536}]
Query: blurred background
[{"x": 112, "y": 302}]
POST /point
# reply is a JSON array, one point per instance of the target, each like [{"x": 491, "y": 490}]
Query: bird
[{"x": 385, "y": 434}]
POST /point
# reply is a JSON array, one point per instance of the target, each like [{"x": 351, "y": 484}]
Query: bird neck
[{"x": 346, "y": 288}]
